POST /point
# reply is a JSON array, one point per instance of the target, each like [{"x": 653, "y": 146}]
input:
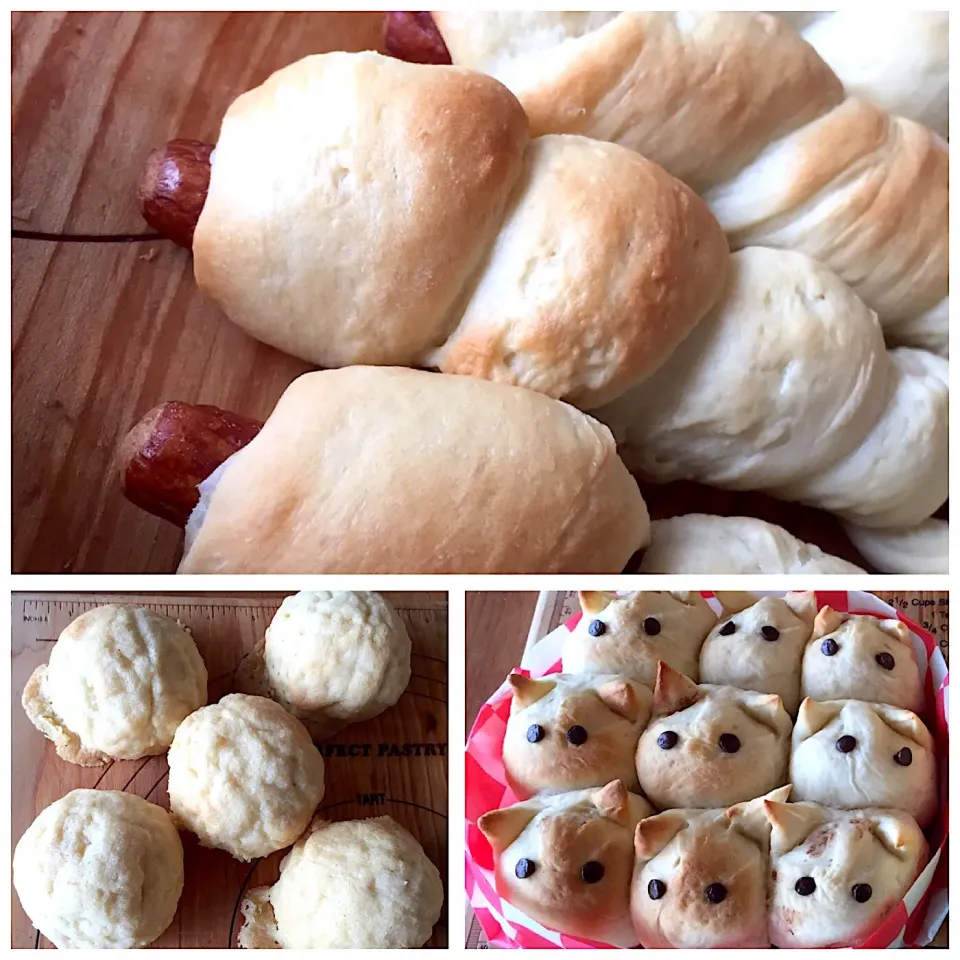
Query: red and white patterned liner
[{"x": 913, "y": 923}]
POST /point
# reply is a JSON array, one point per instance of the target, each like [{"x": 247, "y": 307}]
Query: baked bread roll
[
  {"x": 631, "y": 633},
  {"x": 924, "y": 548},
  {"x": 245, "y": 776},
  {"x": 836, "y": 874},
  {"x": 440, "y": 235},
  {"x": 700, "y": 543},
  {"x": 100, "y": 869},
  {"x": 371, "y": 470},
  {"x": 700, "y": 879},
  {"x": 759, "y": 644},
  {"x": 863, "y": 658},
  {"x": 569, "y": 732},
  {"x": 566, "y": 860},
  {"x": 332, "y": 658},
  {"x": 898, "y": 59},
  {"x": 119, "y": 682},
  {"x": 849, "y": 754},
  {"x": 363, "y": 884},
  {"x": 709, "y": 746},
  {"x": 782, "y": 156},
  {"x": 814, "y": 408}
]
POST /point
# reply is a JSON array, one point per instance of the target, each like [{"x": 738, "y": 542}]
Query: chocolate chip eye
[
  {"x": 829, "y": 647},
  {"x": 716, "y": 893},
  {"x": 770, "y": 633},
  {"x": 885, "y": 660},
  {"x": 729, "y": 743},
  {"x": 861, "y": 892},
  {"x": 656, "y": 889},
  {"x": 525, "y": 868},
  {"x": 592, "y": 871},
  {"x": 535, "y": 733},
  {"x": 597, "y": 628},
  {"x": 846, "y": 743},
  {"x": 651, "y": 626},
  {"x": 904, "y": 757},
  {"x": 667, "y": 740},
  {"x": 728, "y": 628},
  {"x": 577, "y": 735},
  {"x": 805, "y": 886}
]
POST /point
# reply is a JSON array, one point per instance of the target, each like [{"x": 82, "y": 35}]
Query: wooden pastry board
[
  {"x": 107, "y": 319},
  {"x": 395, "y": 764},
  {"x": 930, "y": 610}
]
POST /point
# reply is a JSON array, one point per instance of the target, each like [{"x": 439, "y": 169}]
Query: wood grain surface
[
  {"x": 501, "y": 624},
  {"x": 404, "y": 772},
  {"x": 108, "y": 322}
]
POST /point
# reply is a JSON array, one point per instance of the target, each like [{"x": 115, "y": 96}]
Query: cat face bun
[
  {"x": 849, "y": 754},
  {"x": 710, "y": 746},
  {"x": 573, "y": 732},
  {"x": 835, "y": 874},
  {"x": 566, "y": 860},
  {"x": 630, "y": 633},
  {"x": 758, "y": 644},
  {"x": 700, "y": 878},
  {"x": 861, "y": 658}
]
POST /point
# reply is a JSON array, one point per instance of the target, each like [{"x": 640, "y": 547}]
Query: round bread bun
[
  {"x": 357, "y": 883},
  {"x": 119, "y": 682},
  {"x": 245, "y": 776},
  {"x": 100, "y": 869},
  {"x": 335, "y": 657}
]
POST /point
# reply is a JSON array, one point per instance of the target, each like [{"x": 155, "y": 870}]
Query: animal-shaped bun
[
  {"x": 863, "y": 658},
  {"x": 849, "y": 754},
  {"x": 711, "y": 746},
  {"x": 700, "y": 878},
  {"x": 566, "y": 860},
  {"x": 835, "y": 874},
  {"x": 759, "y": 644},
  {"x": 572, "y": 732},
  {"x": 630, "y": 633}
]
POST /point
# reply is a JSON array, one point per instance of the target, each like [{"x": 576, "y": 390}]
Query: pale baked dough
[
  {"x": 569, "y": 732},
  {"x": 924, "y": 548},
  {"x": 700, "y": 543},
  {"x": 100, "y": 869},
  {"x": 373, "y": 470},
  {"x": 686, "y": 757},
  {"x": 631, "y": 633},
  {"x": 556, "y": 837},
  {"x": 119, "y": 682},
  {"x": 363, "y": 210},
  {"x": 868, "y": 775},
  {"x": 351, "y": 884},
  {"x": 838, "y": 850},
  {"x": 682, "y": 853},
  {"x": 245, "y": 776},
  {"x": 336, "y": 657}
]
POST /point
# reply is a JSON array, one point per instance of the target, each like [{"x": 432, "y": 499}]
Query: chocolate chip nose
[
  {"x": 597, "y": 628},
  {"x": 729, "y": 742},
  {"x": 728, "y": 628},
  {"x": 885, "y": 660},
  {"x": 577, "y": 735},
  {"x": 525, "y": 868},
  {"x": 535, "y": 733},
  {"x": 829, "y": 647},
  {"x": 805, "y": 886},
  {"x": 846, "y": 743},
  {"x": 667, "y": 740},
  {"x": 861, "y": 892},
  {"x": 716, "y": 893},
  {"x": 656, "y": 889},
  {"x": 651, "y": 626},
  {"x": 904, "y": 757}
]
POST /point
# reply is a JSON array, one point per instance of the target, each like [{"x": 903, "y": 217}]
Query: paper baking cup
[{"x": 913, "y": 923}]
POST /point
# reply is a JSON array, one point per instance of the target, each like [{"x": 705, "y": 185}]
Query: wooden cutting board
[
  {"x": 107, "y": 319},
  {"x": 395, "y": 764}
]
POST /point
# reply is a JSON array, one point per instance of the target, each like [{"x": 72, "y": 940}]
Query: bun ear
[
  {"x": 804, "y": 604},
  {"x": 613, "y": 802},
  {"x": 896, "y": 629},
  {"x": 654, "y": 833},
  {"x": 792, "y": 823},
  {"x": 593, "y": 601},
  {"x": 750, "y": 818},
  {"x": 904, "y": 722},
  {"x": 897, "y": 833},
  {"x": 692, "y": 598},
  {"x": 827, "y": 620},
  {"x": 501, "y": 827},
  {"x": 812, "y": 717},
  {"x": 625, "y": 700},
  {"x": 766, "y": 708},
  {"x": 673, "y": 691},
  {"x": 733, "y": 601},
  {"x": 526, "y": 690}
]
